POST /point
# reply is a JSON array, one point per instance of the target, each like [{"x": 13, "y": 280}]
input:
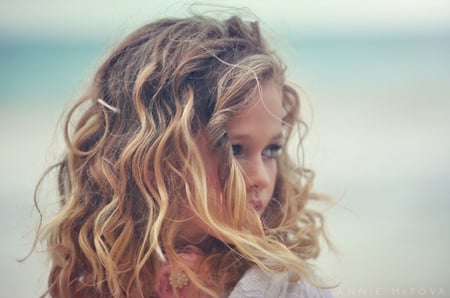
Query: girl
[{"x": 176, "y": 181}]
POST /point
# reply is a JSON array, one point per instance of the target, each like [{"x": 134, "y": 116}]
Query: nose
[{"x": 256, "y": 173}]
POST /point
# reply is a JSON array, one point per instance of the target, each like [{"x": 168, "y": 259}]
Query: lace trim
[{"x": 256, "y": 283}]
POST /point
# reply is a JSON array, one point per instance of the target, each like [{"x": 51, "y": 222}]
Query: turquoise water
[
  {"x": 52, "y": 68},
  {"x": 46, "y": 70},
  {"x": 379, "y": 143}
]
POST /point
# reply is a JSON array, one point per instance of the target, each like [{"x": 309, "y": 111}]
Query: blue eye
[
  {"x": 272, "y": 151},
  {"x": 237, "y": 149}
]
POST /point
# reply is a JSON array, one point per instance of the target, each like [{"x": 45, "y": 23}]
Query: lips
[{"x": 257, "y": 205}]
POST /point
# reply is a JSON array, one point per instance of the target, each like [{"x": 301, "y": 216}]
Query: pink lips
[{"x": 257, "y": 205}]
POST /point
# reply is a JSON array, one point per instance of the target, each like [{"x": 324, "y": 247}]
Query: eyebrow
[{"x": 237, "y": 137}]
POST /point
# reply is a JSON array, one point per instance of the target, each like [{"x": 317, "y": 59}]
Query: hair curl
[{"x": 132, "y": 164}]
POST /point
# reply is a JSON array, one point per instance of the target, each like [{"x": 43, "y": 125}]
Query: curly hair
[{"x": 132, "y": 165}]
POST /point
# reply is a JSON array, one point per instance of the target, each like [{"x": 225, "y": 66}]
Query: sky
[{"x": 90, "y": 19}]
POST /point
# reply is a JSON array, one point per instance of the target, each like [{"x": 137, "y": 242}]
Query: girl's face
[{"x": 256, "y": 135}]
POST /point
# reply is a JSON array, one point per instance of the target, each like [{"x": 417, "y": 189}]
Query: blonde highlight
[{"x": 127, "y": 177}]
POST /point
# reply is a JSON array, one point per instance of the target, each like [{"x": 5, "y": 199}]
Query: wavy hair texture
[{"x": 132, "y": 165}]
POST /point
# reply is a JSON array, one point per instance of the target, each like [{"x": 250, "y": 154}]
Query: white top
[{"x": 257, "y": 283}]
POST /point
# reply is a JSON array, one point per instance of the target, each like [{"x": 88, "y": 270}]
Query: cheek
[
  {"x": 272, "y": 171},
  {"x": 210, "y": 163},
  {"x": 212, "y": 177}
]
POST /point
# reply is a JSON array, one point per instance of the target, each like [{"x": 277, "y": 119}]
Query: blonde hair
[{"x": 132, "y": 165}]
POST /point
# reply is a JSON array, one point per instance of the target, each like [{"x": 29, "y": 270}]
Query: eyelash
[
  {"x": 275, "y": 151},
  {"x": 272, "y": 151}
]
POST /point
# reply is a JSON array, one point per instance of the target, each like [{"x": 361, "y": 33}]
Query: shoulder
[{"x": 257, "y": 283}]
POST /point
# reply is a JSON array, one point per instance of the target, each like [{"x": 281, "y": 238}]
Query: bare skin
[{"x": 256, "y": 135}]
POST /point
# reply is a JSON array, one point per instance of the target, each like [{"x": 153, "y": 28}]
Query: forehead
[{"x": 265, "y": 110}]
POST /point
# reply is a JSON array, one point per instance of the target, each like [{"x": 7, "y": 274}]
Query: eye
[
  {"x": 272, "y": 151},
  {"x": 237, "y": 149}
]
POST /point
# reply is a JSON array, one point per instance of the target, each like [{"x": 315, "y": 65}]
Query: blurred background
[{"x": 377, "y": 79}]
